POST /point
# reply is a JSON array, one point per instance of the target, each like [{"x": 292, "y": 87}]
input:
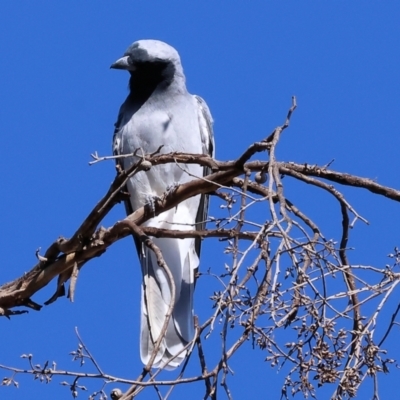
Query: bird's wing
[
  {"x": 117, "y": 151},
  {"x": 207, "y": 139}
]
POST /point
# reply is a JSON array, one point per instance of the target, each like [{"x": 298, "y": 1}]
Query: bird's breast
[{"x": 145, "y": 132}]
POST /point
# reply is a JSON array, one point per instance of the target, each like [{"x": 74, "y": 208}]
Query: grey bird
[{"x": 160, "y": 111}]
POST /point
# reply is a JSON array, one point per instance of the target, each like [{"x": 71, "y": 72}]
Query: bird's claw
[
  {"x": 151, "y": 203},
  {"x": 171, "y": 189}
]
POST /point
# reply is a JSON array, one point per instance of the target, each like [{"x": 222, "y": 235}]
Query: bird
[{"x": 159, "y": 111}]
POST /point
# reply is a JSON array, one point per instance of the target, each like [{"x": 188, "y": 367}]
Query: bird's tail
[{"x": 182, "y": 260}]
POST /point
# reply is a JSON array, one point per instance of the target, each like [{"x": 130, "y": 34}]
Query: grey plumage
[{"x": 160, "y": 111}]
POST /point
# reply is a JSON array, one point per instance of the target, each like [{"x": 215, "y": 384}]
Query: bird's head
[
  {"x": 147, "y": 52},
  {"x": 151, "y": 63}
]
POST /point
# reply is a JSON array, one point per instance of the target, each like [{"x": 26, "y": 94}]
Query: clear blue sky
[{"x": 59, "y": 100}]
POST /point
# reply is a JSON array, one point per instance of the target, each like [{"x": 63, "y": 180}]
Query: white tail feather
[{"x": 182, "y": 261}]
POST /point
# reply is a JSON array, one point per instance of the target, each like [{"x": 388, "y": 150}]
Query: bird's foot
[
  {"x": 171, "y": 189},
  {"x": 151, "y": 203}
]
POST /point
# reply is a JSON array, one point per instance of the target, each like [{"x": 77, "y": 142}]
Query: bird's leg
[
  {"x": 151, "y": 203},
  {"x": 171, "y": 189},
  {"x": 151, "y": 199}
]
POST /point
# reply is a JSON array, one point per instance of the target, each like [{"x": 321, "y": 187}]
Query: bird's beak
[{"x": 123, "y": 63}]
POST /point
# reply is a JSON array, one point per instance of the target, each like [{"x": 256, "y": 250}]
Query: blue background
[{"x": 59, "y": 100}]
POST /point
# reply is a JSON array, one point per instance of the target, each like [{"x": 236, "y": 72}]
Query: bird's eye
[{"x": 130, "y": 60}]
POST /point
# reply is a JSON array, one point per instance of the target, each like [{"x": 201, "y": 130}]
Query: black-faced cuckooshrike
[{"x": 160, "y": 111}]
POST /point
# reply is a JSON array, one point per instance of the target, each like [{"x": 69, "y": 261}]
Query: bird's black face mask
[{"x": 147, "y": 76}]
